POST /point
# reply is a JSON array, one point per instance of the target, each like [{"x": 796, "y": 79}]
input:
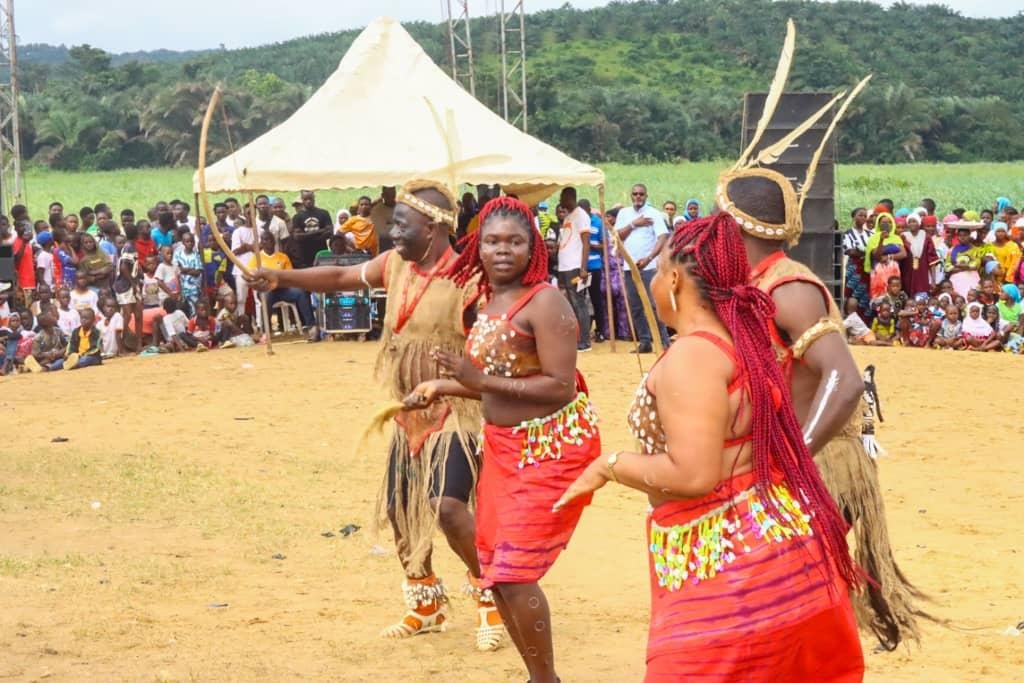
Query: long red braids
[
  {"x": 468, "y": 264},
  {"x": 711, "y": 250}
]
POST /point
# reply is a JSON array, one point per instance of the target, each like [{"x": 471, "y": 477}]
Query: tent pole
[
  {"x": 197, "y": 230},
  {"x": 641, "y": 291},
  {"x": 607, "y": 270}
]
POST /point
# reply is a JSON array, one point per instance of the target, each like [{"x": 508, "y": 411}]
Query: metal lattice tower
[
  {"x": 460, "y": 45},
  {"x": 512, "y": 30},
  {"x": 11, "y": 184}
]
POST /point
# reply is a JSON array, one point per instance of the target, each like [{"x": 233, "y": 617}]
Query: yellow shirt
[
  {"x": 277, "y": 261},
  {"x": 1008, "y": 256},
  {"x": 363, "y": 232},
  {"x": 83, "y": 342}
]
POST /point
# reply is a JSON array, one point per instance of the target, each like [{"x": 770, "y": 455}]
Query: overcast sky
[{"x": 129, "y": 25}]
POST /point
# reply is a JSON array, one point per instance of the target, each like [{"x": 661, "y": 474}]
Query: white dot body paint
[{"x": 534, "y": 602}]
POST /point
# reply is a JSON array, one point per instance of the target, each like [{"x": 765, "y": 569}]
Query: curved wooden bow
[{"x": 201, "y": 175}]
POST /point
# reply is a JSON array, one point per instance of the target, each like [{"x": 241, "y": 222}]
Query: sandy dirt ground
[{"x": 177, "y": 534}]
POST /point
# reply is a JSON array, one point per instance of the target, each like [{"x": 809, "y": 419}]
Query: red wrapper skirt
[
  {"x": 518, "y": 537},
  {"x": 740, "y": 591}
]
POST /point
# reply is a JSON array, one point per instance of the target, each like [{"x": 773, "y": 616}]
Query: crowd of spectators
[
  {"x": 955, "y": 283},
  {"x": 88, "y": 287}
]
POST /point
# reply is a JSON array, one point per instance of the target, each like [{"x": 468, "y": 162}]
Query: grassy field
[{"x": 951, "y": 185}]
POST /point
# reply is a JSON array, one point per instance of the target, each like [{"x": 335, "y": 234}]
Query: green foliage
[
  {"x": 951, "y": 185},
  {"x": 652, "y": 80}
]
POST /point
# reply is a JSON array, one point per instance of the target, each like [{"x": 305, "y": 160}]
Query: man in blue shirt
[
  {"x": 643, "y": 232},
  {"x": 595, "y": 266}
]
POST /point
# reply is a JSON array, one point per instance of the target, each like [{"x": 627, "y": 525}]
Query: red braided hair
[
  {"x": 711, "y": 249},
  {"x": 468, "y": 264}
]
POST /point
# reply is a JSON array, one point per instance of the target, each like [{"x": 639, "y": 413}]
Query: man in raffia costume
[
  {"x": 826, "y": 385},
  {"x": 432, "y": 461}
]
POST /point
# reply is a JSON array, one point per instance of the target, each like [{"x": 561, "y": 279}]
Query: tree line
[{"x": 655, "y": 80}]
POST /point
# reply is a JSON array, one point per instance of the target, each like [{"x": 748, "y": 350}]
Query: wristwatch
[{"x": 611, "y": 462}]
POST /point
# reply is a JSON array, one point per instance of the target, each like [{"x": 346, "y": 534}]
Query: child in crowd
[
  {"x": 1015, "y": 337},
  {"x": 918, "y": 325},
  {"x": 1009, "y": 306},
  {"x": 175, "y": 328},
  {"x": 153, "y": 295},
  {"x": 884, "y": 326},
  {"x": 12, "y": 335},
  {"x": 49, "y": 345},
  {"x": 167, "y": 273},
  {"x": 66, "y": 247},
  {"x": 976, "y": 332},
  {"x": 987, "y": 294},
  {"x": 893, "y": 295},
  {"x": 203, "y": 326},
  {"x": 111, "y": 329},
  {"x": 67, "y": 317},
  {"x": 857, "y": 332},
  {"x": 949, "y": 334},
  {"x": 83, "y": 344},
  {"x": 44, "y": 259},
  {"x": 128, "y": 292},
  {"x": 144, "y": 244},
  {"x": 82, "y": 296},
  {"x": 229, "y": 323},
  {"x": 882, "y": 274},
  {"x": 43, "y": 298},
  {"x": 190, "y": 271}
]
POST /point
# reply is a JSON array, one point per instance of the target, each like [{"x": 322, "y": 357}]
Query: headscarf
[
  {"x": 1013, "y": 292},
  {"x": 978, "y": 328},
  {"x": 876, "y": 239},
  {"x": 1001, "y": 204},
  {"x": 686, "y": 210},
  {"x": 902, "y": 213}
]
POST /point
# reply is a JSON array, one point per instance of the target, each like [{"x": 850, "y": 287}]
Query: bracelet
[
  {"x": 362, "y": 274},
  {"x": 814, "y": 333},
  {"x": 613, "y": 459}
]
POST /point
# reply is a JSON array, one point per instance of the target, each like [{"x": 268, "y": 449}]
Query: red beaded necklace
[{"x": 406, "y": 307}]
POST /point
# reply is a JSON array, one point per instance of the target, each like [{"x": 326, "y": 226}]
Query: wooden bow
[
  {"x": 225, "y": 247},
  {"x": 201, "y": 175}
]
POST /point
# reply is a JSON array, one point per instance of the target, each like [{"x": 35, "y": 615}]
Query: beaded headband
[
  {"x": 436, "y": 213},
  {"x": 750, "y": 164}
]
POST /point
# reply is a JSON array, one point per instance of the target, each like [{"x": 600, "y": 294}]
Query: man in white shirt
[
  {"x": 267, "y": 220},
  {"x": 573, "y": 252},
  {"x": 243, "y": 241},
  {"x": 643, "y": 232}
]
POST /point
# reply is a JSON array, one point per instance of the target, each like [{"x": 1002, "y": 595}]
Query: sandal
[
  {"x": 427, "y": 601},
  {"x": 490, "y": 629}
]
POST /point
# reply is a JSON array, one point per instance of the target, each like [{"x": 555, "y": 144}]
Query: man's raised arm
[{"x": 323, "y": 278}]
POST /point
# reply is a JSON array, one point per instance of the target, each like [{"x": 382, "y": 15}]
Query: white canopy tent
[{"x": 389, "y": 114}]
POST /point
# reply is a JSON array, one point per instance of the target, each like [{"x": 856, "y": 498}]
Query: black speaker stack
[{"x": 820, "y": 246}]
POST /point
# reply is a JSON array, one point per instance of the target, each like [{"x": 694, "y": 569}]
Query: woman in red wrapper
[
  {"x": 748, "y": 559},
  {"x": 540, "y": 432}
]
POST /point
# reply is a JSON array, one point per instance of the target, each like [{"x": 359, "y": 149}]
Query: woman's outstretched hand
[
  {"x": 593, "y": 478},
  {"x": 459, "y": 368}
]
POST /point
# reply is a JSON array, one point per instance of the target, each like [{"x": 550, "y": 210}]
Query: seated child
[
  {"x": 857, "y": 332},
  {"x": 203, "y": 326},
  {"x": 884, "y": 326},
  {"x": 948, "y": 336},
  {"x": 175, "y": 328},
  {"x": 976, "y": 332}
]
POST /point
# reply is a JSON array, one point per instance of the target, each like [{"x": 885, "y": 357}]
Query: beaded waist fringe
[
  {"x": 703, "y": 547},
  {"x": 543, "y": 437}
]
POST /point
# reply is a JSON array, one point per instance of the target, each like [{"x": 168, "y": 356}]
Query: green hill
[{"x": 637, "y": 81}]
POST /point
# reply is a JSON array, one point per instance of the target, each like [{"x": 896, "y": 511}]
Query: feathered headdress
[{"x": 751, "y": 165}]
